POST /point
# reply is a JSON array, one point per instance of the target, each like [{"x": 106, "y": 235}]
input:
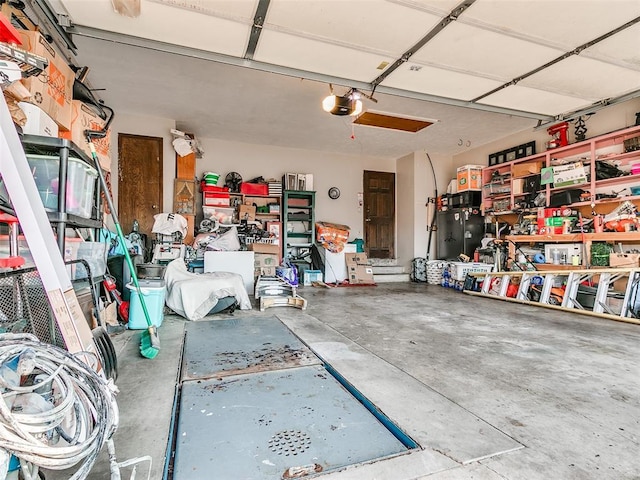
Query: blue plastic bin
[{"x": 153, "y": 292}]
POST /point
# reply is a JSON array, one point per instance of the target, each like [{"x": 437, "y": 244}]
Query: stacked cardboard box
[
  {"x": 84, "y": 118},
  {"x": 358, "y": 269},
  {"x": 266, "y": 258},
  {"x": 555, "y": 221},
  {"x": 51, "y": 91}
]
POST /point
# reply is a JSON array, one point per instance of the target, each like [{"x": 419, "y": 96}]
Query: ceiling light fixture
[{"x": 348, "y": 104}]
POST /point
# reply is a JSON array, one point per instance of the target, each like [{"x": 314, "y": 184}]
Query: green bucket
[{"x": 211, "y": 178}]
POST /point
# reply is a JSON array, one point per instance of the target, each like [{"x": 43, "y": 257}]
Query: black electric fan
[{"x": 233, "y": 181}]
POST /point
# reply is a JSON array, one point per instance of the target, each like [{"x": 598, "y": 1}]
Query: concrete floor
[{"x": 490, "y": 390}]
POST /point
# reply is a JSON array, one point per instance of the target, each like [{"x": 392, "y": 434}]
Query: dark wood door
[
  {"x": 139, "y": 181},
  {"x": 379, "y": 214}
]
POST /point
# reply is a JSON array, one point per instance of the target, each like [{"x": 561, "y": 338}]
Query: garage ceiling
[{"x": 480, "y": 69}]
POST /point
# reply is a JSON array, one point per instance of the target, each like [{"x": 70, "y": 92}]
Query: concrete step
[
  {"x": 387, "y": 269},
  {"x": 393, "y": 277},
  {"x": 387, "y": 273}
]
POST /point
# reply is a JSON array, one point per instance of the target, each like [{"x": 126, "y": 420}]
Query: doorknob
[
  {"x": 367, "y": 219},
  {"x": 155, "y": 207}
]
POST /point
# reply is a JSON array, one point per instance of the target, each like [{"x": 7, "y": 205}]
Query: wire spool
[
  {"x": 107, "y": 353},
  {"x": 65, "y": 399}
]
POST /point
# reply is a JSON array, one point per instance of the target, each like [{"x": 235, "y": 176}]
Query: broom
[{"x": 149, "y": 341}]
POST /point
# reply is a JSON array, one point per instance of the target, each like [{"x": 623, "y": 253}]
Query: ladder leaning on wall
[
  {"x": 28, "y": 207},
  {"x": 579, "y": 291}
]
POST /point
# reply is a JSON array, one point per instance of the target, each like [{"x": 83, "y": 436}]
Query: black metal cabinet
[{"x": 460, "y": 230}]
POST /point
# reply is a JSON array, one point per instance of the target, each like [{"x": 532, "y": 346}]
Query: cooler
[{"x": 153, "y": 292}]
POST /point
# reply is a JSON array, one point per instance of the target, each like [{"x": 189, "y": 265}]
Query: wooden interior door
[
  {"x": 379, "y": 214},
  {"x": 139, "y": 181}
]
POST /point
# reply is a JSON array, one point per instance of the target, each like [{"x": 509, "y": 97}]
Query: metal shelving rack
[
  {"x": 59, "y": 218},
  {"x": 298, "y": 217}
]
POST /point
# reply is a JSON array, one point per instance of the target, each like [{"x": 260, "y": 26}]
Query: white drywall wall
[
  {"x": 329, "y": 170},
  {"x": 415, "y": 185},
  {"x": 603, "y": 121}
]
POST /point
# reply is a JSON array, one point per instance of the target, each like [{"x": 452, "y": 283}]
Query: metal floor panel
[
  {"x": 265, "y": 425},
  {"x": 218, "y": 348}
]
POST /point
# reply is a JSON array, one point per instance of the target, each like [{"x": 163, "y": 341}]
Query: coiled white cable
[{"x": 81, "y": 417}]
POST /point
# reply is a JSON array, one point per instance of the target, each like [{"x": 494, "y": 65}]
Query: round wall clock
[{"x": 334, "y": 192}]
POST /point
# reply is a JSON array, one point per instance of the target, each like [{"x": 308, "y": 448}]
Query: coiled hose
[{"x": 62, "y": 417}]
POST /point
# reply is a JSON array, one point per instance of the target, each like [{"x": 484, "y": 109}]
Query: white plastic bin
[{"x": 153, "y": 292}]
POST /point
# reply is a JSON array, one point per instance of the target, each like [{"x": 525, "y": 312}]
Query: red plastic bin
[{"x": 254, "y": 188}]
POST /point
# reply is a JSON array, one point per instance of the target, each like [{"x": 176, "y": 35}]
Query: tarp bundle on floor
[{"x": 193, "y": 295}]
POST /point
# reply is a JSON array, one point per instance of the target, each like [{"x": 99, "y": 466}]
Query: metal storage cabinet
[{"x": 459, "y": 231}]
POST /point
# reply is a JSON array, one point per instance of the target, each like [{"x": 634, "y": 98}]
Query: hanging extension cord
[{"x": 66, "y": 415}]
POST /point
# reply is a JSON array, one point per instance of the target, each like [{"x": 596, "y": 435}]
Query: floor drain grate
[{"x": 289, "y": 442}]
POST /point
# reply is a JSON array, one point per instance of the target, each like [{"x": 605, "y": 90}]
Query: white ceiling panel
[
  {"x": 530, "y": 99},
  {"x": 374, "y": 25},
  {"x": 474, "y": 49},
  {"x": 238, "y": 10},
  {"x": 621, "y": 48},
  {"x": 305, "y": 54},
  {"x": 436, "y": 81},
  {"x": 482, "y": 49},
  {"x": 566, "y": 23},
  {"x": 164, "y": 23},
  {"x": 436, "y": 6},
  {"x": 585, "y": 78}
]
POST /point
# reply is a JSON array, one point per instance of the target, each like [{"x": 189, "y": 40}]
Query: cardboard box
[
  {"x": 517, "y": 185},
  {"x": 186, "y": 166},
  {"x": 570, "y": 174},
  {"x": 266, "y": 260},
  {"x": 38, "y": 122},
  {"x": 55, "y": 94},
  {"x": 84, "y": 118},
  {"x": 525, "y": 169},
  {"x": 264, "y": 248},
  {"x": 247, "y": 212},
  {"x": 311, "y": 276},
  {"x": 360, "y": 274},
  {"x": 356, "y": 258},
  {"x": 469, "y": 177},
  {"x": 624, "y": 260},
  {"x": 265, "y": 271}
]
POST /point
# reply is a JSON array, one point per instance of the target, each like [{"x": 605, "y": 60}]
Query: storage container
[
  {"x": 153, "y": 292},
  {"x": 81, "y": 182},
  {"x": 254, "y": 188},
  {"x": 435, "y": 268},
  {"x": 469, "y": 177},
  {"x": 150, "y": 270},
  {"x": 459, "y": 270},
  {"x": 223, "y": 215},
  {"x": 214, "y": 199}
]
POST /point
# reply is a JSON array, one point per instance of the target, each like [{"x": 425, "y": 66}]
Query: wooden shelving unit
[
  {"x": 589, "y": 238},
  {"x": 608, "y": 147}
]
